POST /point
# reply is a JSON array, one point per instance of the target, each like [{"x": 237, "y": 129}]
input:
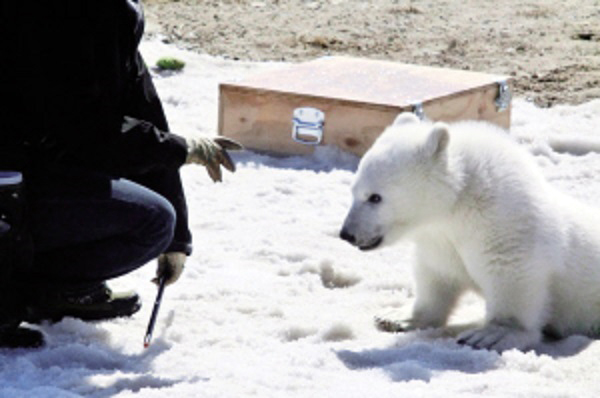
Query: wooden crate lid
[{"x": 372, "y": 82}]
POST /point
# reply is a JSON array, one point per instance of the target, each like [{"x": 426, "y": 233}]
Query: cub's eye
[{"x": 374, "y": 198}]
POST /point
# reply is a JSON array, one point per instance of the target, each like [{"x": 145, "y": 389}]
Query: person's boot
[
  {"x": 94, "y": 303},
  {"x": 13, "y": 335},
  {"x": 16, "y": 253}
]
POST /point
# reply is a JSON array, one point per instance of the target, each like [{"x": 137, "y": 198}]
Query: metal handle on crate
[{"x": 308, "y": 126}]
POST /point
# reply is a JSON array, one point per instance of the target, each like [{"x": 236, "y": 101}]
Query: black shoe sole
[
  {"x": 21, "y": 337},
  {"x": 96, "y": 312}
]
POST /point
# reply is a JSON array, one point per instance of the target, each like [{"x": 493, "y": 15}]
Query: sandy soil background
[{"x": 550, "y": 47}]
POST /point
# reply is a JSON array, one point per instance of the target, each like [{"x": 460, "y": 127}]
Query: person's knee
[
  {"x": 152, "y": 222},
  {"x": 161, "y": 225}
]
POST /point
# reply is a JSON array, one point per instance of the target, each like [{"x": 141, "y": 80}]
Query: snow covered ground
[{"x": 273, "y": 304}]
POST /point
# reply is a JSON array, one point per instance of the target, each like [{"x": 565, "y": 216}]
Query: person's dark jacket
[{"x": 77, "y": 93}]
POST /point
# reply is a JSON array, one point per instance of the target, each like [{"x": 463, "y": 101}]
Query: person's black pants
[{"x": 88, "y": 227}]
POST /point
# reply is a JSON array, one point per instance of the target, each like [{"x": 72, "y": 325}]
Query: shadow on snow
[
  {"x": 421, "y": 355},
  {"x": 79, "y": 359},
  {"x": 324, "y": 159}
]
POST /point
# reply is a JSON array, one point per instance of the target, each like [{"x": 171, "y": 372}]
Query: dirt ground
[{"x": 550, "y": 47}]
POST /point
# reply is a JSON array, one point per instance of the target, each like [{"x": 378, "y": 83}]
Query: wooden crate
[{"x": 358, "y": 98}]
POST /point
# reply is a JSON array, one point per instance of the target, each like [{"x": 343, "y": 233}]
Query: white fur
[{"x": 483, "y": 218}]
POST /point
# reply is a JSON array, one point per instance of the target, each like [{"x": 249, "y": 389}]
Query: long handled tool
[{"x": 162, "y": 282}]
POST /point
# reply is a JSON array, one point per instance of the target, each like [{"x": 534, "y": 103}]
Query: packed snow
[{"x": 273, "y": 304}]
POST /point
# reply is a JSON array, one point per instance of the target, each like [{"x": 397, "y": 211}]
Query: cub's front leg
[
  {"x": 516, "y": 294},
  {"x": 438, "y": 288}
]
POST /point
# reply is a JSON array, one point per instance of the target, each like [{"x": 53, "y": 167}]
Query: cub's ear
[
  {"x": 438, "y": 139},
  {"x": 405, "y": 118}
]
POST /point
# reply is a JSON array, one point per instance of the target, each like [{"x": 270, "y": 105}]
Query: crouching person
[{"x": 86, "y": 130}]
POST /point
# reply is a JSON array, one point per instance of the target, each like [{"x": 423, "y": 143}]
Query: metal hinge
[
  {"x": 504, "y": 96},
  {"x": 418, "y": 110}
]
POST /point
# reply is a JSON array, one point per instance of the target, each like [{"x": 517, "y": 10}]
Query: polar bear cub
[{"x": 483, "y": 218}]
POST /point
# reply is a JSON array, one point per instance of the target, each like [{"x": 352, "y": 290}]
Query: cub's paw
[
  {"x": 499, "y": 338},
  {"x": 390, "y": 325},
  {"x": 396, "y": 326}
]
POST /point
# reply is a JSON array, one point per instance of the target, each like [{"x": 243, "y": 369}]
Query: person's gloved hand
[
  {"x": 170, "y": 265},
  {"x": 212, "y": 154}
]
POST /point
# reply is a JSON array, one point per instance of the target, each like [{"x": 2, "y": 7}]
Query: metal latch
[
  {"x": 308, "y": 125},
  {"x": 504, "y": 96}
]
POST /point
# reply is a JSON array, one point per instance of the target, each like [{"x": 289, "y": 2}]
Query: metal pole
[{"x": 161, "y": 288}]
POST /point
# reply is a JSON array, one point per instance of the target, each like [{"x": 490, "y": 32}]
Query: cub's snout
[
  {"x": 347, "y": 236},
  {"x": 363, "y": 244}
]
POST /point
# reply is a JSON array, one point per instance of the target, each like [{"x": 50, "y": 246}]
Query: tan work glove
[
  {"x": 170, "y": 265},
  {"x": 212, "y": 153}
]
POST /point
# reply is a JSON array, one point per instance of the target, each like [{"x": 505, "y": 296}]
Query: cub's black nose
[{"x": 348, "y": 237}]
